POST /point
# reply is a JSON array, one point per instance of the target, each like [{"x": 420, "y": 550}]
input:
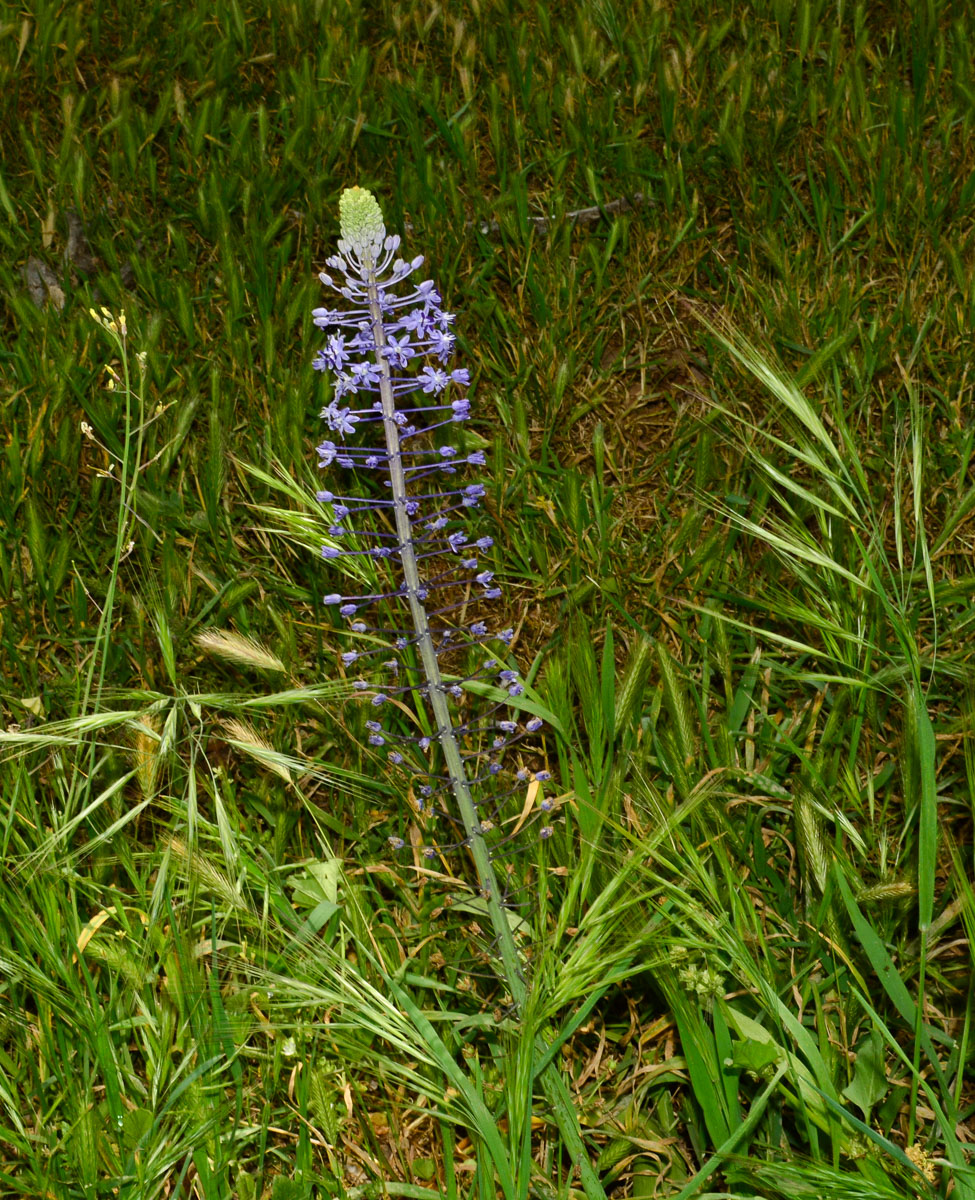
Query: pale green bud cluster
[
  {"x": 361, "y": 223},
  {"x": 702, "y": 982}
]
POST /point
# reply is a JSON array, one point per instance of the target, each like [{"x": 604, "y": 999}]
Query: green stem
[{"x": 128, "y": 480}]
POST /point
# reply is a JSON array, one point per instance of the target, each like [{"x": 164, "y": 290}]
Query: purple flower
[
  {"x": 326, "y": 456},
  {"x": 339, "y": 419},
  {"x": 399, "y": 352},
  {"x": 433, "y": 380}
]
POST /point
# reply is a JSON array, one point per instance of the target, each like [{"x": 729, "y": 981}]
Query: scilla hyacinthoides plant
[
  {"x": 390, "y": 376},
  {"x": 387, "y": 351}
]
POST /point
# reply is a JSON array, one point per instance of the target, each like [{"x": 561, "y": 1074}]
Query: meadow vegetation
[{"x": 712, "y": 265}]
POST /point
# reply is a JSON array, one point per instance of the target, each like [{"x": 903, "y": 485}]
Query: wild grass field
[{"x": 712, "y": 268}]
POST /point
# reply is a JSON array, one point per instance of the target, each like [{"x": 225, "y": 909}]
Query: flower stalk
[
  {"x": 423, "y": 520},
  {"x": 389, "y": 358}
]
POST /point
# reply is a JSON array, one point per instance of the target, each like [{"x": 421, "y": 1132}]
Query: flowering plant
[{"x": 388, "y": 350}]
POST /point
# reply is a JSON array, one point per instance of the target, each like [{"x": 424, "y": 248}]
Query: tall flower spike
[{"x": 387, "y": 350}]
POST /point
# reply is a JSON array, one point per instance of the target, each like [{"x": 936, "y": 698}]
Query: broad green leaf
[{"x": 869, "y": 1084}]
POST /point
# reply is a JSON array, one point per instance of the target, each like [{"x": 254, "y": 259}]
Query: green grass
[{"x": 731, "y": 490}]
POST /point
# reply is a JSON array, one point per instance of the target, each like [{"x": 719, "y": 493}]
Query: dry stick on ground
[{"x": 578, "y": 216}]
